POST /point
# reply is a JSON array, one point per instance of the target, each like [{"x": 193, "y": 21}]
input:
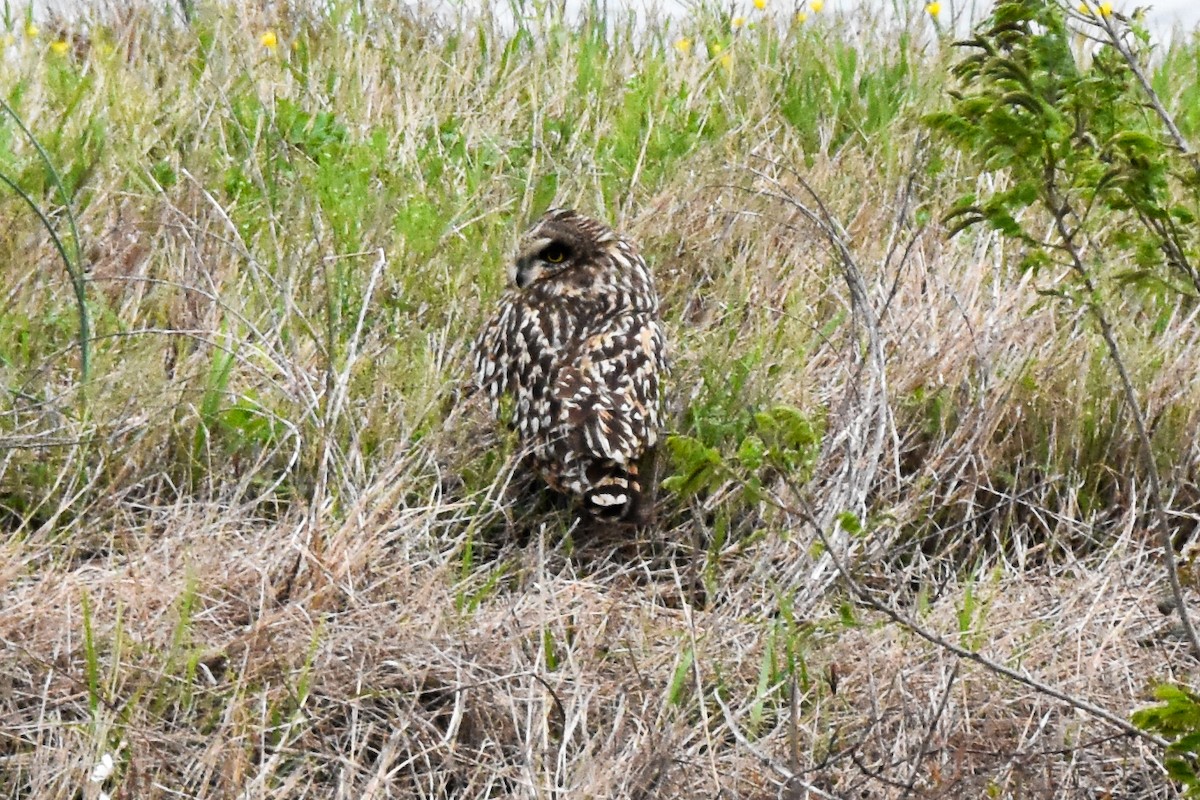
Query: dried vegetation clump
[{"x": 273, "y": 547}]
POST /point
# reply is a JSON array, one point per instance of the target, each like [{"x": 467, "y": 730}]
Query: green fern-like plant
[
  {"x": 1177, "y": 719},
  {"x": 1092, "y": 185}
]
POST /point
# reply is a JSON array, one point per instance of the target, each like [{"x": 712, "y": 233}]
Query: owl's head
[{"x": 557, "y": 244}]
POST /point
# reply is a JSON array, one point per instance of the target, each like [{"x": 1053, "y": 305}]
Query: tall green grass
[
  {"x": 261, "y": 182},
  {"x": 234, "y": 200}
]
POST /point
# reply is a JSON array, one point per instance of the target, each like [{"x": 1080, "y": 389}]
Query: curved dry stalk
[{"x": 864, "y": 408}]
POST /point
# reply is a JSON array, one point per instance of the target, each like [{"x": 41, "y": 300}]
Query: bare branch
[
  {"x": 994, "y": 666},
  {"x": 1118, "y": 42}
]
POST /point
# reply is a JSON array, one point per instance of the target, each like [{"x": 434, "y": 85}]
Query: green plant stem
[
  {"x": 74, "y": 267},
  {"x": 85, "y": 328}
]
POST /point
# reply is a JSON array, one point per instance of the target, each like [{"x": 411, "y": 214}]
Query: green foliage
[
  {"x": 1071, "y": 137},
  {"x": 1086, "y": 182},
  {"x": 653, "y": 129},
  {"x": 830, "y": 90},
  {"x": 91, "y": 660},
  {"x": 1073, "y": 146},
  {"x": 473, "y": 591},
  {"x": 728, "y": 430},
  {"x": 778, "y": 442},
  {"x": 783, "y": 666},
  {"x": 550, "y": 650},
  {"x": 1177, "y": 719},
  {"x": 850, "y": 523},
  {"x": 696, "y": 467},
  {"x": 316, "y": 135},
  {"x": 1176, "y": 77},
  {"x": 681, "y": 677}
]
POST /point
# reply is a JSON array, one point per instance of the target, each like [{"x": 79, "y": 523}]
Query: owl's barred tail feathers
[{"x": 616, "y": 495}]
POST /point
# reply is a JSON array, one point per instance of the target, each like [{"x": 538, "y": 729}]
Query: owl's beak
[{"x": 524, "y": 273}]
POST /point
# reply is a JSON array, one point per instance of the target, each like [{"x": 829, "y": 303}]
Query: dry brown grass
[{"x": 365, "y": 681}]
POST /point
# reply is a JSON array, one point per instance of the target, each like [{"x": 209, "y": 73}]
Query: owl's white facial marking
[{"x": 540, "y": 258}]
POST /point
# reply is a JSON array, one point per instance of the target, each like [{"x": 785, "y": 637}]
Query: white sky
[
  {"x": 1187, "y": 11},
  {"x": 1164, "y": 14},
  {"x": 1163, "y": 17}
]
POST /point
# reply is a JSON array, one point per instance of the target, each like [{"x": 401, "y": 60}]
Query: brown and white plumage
[{"x": 578, "y": 344}]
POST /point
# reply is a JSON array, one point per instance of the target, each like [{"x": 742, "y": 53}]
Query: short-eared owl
[{"x": 578, "y": 344}]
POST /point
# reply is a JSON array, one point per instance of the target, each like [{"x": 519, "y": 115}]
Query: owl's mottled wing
[
  {"x": 609, "y": 396},
  {"x": 514, "y": 355}
]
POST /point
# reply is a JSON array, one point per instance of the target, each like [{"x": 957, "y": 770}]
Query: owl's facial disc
[{"x": 544, "y": 256}]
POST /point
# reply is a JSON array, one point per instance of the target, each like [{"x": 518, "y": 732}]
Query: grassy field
[{"x": 263, "y": 541}]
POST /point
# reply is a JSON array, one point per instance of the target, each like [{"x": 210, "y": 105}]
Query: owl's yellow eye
[{"x": 555, "y": 254}]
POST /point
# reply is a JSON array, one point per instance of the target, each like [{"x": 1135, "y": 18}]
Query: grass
[{"x": 272, "y": 548}]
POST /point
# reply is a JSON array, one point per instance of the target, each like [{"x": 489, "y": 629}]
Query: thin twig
[
  {"x": 994, "y": 666},
  {"x": 1114, "y": 37},
  {"x": 1139, "y": 420}
]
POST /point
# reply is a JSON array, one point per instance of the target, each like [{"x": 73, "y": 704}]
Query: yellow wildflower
[
  {"x": 760, "y": 4},
  {"x": 816, "y": 6},
  {"x": 1106, "y": 9},
  {"x": 269, "y": 40},
  {"x": 683, "y": 45},
  {"x": 60, "y": 47},
  {"x": 715, "y": 48},
  {"x": 32, "y": 30},
  {"x": 934, "y": 9},
  {"x": 1083, "y": 9},
  {"x": 801, "y": 17},
  {"x": 738, "y": 22},
  {"x": 726, "y": 61}
]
